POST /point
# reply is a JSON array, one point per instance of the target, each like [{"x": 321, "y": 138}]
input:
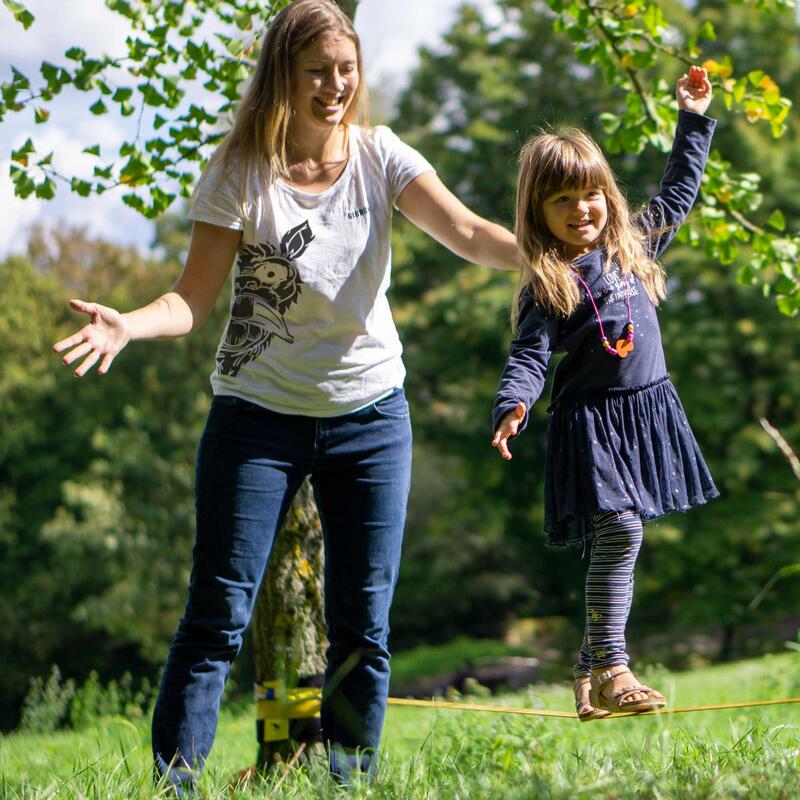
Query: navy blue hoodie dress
[{"x": 618, "y": 437}]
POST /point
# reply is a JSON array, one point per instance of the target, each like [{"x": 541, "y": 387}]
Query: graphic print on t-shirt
[{"x": 266, "y": 285}]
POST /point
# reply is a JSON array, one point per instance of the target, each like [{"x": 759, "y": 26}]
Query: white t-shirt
[{"x": 310, "y": 329}]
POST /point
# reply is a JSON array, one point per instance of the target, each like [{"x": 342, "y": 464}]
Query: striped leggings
[{"x": 609, "y": 589}]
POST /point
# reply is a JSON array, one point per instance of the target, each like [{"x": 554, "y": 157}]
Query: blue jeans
[{"x": 250, "y": 464}]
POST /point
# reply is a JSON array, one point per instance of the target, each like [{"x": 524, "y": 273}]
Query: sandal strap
[
  {"x": 626, "y": 690},
  {"x": 604, "y": 677}
]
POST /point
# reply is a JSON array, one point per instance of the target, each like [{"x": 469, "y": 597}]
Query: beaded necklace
[{"x": 625, "y": 346}]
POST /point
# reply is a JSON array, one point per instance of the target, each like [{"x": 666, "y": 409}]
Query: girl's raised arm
[
  {"x": 176, "y": 313},
  {"x": 693, "y": 90},
  {"x": 432, "y": 207}
]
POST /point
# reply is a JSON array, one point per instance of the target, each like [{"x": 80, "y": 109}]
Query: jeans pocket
[{"x": 393, "y": 406}]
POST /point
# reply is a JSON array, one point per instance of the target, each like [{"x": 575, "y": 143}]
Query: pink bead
[{"x": 629, "y": 337}]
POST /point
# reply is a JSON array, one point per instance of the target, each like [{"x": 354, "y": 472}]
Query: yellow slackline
[
  {"x": 276, "y": 706},
  {"x": 544, "y": 712}
]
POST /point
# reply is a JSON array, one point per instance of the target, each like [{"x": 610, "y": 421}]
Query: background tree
[
  {"x": 469, "y": 105},
  {"x": 100, "y": 498},
  {"x": 620, "y": 41}
]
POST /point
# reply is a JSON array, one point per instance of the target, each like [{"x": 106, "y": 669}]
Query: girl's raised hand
[
  {"x": 693, "y": 90},
  {"x": 509, "y": 426},
  {"x": 102, "y": 338}
]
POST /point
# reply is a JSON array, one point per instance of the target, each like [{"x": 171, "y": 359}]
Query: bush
[
  {"x": 93, "y": 701},
  {"x": 58, "y": 704},
  {"x": 46, "y": 705}
]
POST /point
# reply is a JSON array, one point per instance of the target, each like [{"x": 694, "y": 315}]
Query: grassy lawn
[{"x": 442, "y": 754}]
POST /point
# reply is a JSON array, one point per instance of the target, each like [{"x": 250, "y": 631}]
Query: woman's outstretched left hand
[{"x": 693, "y": 90}]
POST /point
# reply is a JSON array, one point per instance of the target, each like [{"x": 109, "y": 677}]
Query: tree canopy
[
  {"x": 95, "y": 504},
  {"x": 171, "y": 57}
]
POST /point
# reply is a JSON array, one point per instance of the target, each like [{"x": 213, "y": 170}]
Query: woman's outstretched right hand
[{"x": 105, "y": 335}]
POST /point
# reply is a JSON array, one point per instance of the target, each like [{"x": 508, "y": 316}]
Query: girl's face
[
  {"x": 324, "y": 79},
  {"x": 576, "y": 217}
]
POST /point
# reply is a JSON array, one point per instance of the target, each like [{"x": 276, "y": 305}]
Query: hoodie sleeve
[
  {"x": 526, "y": 366},
  {"x": 680, "y": 184}
]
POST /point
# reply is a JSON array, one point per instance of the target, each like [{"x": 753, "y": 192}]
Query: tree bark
[{"x": 289, "y": 638}]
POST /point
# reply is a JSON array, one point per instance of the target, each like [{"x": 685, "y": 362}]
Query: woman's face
[{"x": 324, "y": 80}]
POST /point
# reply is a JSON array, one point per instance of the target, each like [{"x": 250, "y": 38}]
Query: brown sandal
[
  {"x": 583, "y": 707},
  {"x": 616, "y": 702}
]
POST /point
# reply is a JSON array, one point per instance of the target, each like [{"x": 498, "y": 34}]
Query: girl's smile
[
  {"x": 576, "y": 217},
  {"x": 324, "y": 80}
]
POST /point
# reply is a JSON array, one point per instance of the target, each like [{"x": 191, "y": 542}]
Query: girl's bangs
[{"x": 572, "y": 169}]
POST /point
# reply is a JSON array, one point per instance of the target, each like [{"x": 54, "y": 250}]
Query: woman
[{"x": 308, "y": 378}]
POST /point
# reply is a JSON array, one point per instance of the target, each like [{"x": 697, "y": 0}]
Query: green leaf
[
  {"x": 49, "y": 71},
  {"x": 610, "y": 122},
  {"x": 94, "y": 150},
  {"x": 234, "y": 47},
  {"x": 20, "y": 156},
  {"x": 81, "y": 187},
  {"x": 788, "y": 305},
  {"x": 707, "y": 31},
  {"x": 777, "y": 220},
  {"x": 46, "y": 190},
  {"x": 21, "y": 14},
  {"x": 755, "y": 76},
  {"x": 23, "y": 185},
  {"x": 19, "y": 80},
  {"x": 98, "y": 108},
  {"x": 134, "y": 201},
  {"x": 40, "y": 115},
  {"x": 654, "y": 19},
  {"x": 746, "y": 275},
  {"x": 75, "y": 54}
]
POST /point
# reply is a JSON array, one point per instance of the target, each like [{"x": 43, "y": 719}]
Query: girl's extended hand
[
  {"x": 693, "y": 91},
  {"x": 509, "y": 426},
  {"x": 103, "y": 337}
]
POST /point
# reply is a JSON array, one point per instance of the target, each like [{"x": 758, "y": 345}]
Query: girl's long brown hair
[
  {"x": 568, "y": 158},
  {"x": 261, "y": 125}
]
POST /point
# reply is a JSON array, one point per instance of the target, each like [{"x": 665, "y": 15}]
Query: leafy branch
[
  {"x": 166, "y": 51},
  {"x": 623, "y": 39}
]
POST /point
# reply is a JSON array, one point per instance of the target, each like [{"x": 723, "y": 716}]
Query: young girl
[
  {"x": 620, "y": 450},
  {"x": 308, "y": 377}
]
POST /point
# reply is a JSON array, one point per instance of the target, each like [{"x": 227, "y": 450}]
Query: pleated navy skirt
[{"x": 623, "y": 449}]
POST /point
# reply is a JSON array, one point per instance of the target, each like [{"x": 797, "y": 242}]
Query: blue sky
[{"x": 391, "y": 32}]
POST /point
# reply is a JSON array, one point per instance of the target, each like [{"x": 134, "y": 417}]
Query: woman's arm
[
  {"x": 176, "y": 313},
  {"x": 431, "y": 206}
]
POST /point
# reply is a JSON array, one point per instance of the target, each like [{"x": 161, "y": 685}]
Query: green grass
[{"x": 437, "y": 755}]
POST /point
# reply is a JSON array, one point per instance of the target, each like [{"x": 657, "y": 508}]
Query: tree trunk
[{"x": 289, "y": 638}]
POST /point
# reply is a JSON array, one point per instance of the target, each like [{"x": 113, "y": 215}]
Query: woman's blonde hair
[
  {"x": 262, "y": 121},
  {"x": 568, "y": 158}
]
